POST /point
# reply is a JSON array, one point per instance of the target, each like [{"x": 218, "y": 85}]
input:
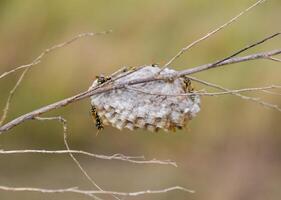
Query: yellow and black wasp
[
  {"x": 189, "y": 87},
  {"x": 97, "y": 118},
  {"x": 99, "y": 124},
  {"x": 102, "y": 79}
]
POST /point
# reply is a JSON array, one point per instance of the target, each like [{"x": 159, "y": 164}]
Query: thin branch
[
  {"x": 35, "y": 62},
  {"x": 96, "y": 90},
  {"x": 87, "y": 192},
  {"x": 263, "y": 55},
  {"x": 237, "y": 91},
  {"x": 248, "y": 47},
  {"x": 64, "y": 124},
  {"x": 38, "y": 59},
  {"x": 183, "y": 50},
  {"x": 70, "y": 152},
  {"x": 11, "y": 94},
  {"x": 274, "y": 59},
  {"x": 228, "y": 91},
  {"x": 263, "y": 89},
  {"x": 120, "y": 157},
  {"x": 19, "y": 68},
  {"x": 271, "y": 92}
]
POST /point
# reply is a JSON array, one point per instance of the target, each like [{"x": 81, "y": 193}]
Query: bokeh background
[{"x": 231, "y": 150}]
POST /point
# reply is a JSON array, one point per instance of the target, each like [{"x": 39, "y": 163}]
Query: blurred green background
[{"x": 231, "y": 150}]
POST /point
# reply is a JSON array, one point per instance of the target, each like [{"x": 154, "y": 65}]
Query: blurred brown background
[{"x": 231, "y": 150}]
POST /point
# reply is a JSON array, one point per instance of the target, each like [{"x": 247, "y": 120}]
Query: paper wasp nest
[{"x": 143, "y": 105}]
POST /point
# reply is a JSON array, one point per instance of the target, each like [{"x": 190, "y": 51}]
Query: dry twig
[
  {"x": 64, "y": 124},
  {"x": 183, "y": 50},
  {"x": 90, "y": 192},
  {"x": 203, "y": 93},
  {"x": 11, "y": 94},
  {"x": 35, "y": 62},
  {"x": 274, "y": 59},
  {"x": 271, "y": 92},
  {"x": 38, "y": 59},
  {"x": 96, "y": 90},
  {"x": 138, "y": 160},
  {"x": 118, "y": 156},
  {"x": 263, "y": 55},
  {"x": 70, "y": 152},
  {"x": 228, "y": 91}
]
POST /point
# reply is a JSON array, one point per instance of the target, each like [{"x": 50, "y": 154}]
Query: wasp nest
[{"x": 151, "y": 105}]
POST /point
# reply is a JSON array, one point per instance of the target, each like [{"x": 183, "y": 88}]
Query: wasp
[
  {"x": 102, "y": 79},
  {"x": 97, "y": 118},
  {"x": 99, "y": 124},
  {"x": 189, "y": 87},
  {"x": 154, "y": 65}
]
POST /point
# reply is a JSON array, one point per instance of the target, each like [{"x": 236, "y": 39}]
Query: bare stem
[
  {"x": 274, "y": 59},
  {"x": 263, "y": 55},
  {"x": 96, "y": 90},
  {"x": 228, "y": 91},
  {"x": 38, "y": 59},
  {"x": 200, "y": 93},
  {"x": 84, "y": 172},
  {"x": 183, "y": 50},
  {"x": 35, "y": 62},
  {"x": 117, "y": 156},
  {"x": 87, "y": 192}
]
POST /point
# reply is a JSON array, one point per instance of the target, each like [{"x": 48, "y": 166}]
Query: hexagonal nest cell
[{"x": 155, "y": 105}]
